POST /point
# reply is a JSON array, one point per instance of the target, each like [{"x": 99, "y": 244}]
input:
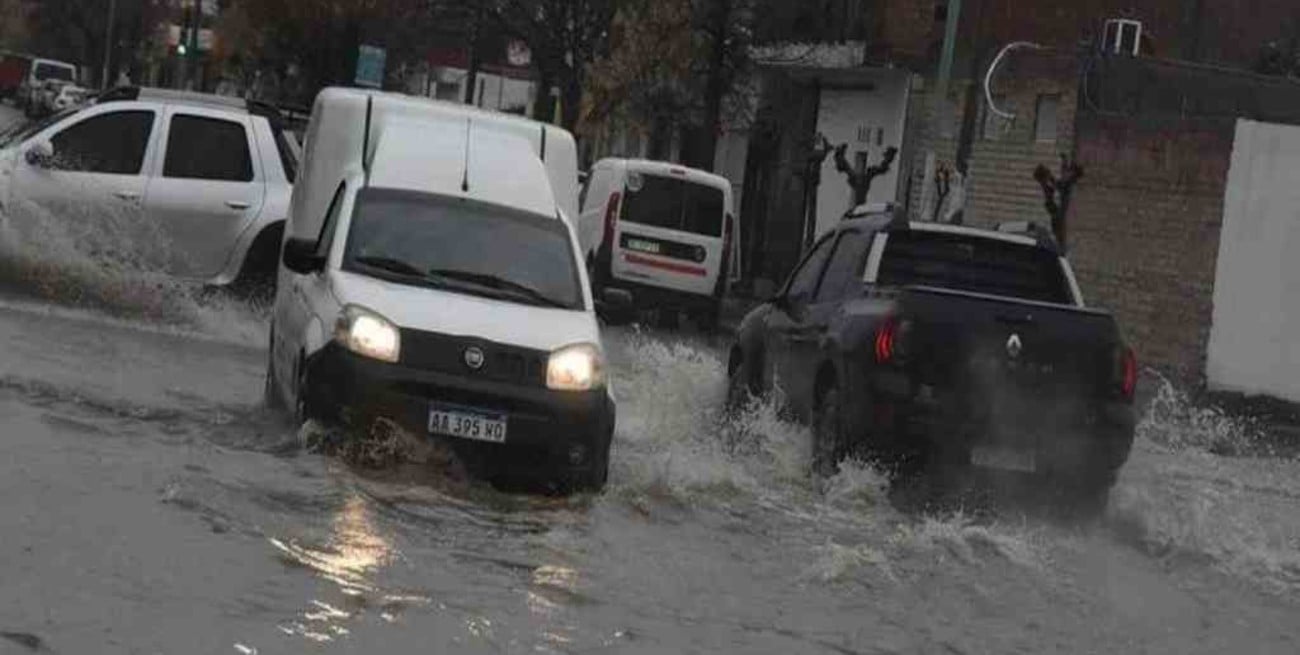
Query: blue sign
[{"x": 370, "y": 66}]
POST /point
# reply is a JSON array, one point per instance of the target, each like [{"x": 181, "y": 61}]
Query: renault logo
[
  {"x": 1014, "y": 347},
  {"x": 474, "y": 358}
]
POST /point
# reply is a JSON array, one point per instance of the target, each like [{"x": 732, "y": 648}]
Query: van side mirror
[
  {"x": 300, "y": 256},
  {"x": 619, "y": 299},
  {"x": 41, "y": 155},
  {"x": 616, "y": 306}
]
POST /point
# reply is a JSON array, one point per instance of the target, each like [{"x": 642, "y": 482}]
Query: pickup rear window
[{"x": 973, "y": 264}]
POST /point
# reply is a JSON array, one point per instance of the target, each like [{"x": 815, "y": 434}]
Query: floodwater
[{"x": 151, "y": 505}]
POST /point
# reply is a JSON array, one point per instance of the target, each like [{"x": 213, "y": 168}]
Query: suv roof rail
[
  {"x": 1034, "y": 229},
  {"x": 131, "y": 93}
]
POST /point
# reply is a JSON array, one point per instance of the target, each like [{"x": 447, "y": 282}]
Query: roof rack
[
  {"x": 131, "y": 93},
  {"x": 1041, "y": 234}
]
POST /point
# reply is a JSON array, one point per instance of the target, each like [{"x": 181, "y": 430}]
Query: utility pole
[
  {"x": 108, "y": 43},
  {"x": 476, "y": 32}
]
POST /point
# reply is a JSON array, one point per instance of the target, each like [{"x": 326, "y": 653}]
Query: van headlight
[
  {"x": 576, "y": 368},
  {"x": 368, "y": 334}
]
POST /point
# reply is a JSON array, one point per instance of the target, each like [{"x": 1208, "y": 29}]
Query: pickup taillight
[
  {"x": 1128, "y": 372},
  {"x": 891, "y": 340}
]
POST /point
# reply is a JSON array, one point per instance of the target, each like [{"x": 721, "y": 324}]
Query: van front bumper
[{"x": 555, "y": 430}]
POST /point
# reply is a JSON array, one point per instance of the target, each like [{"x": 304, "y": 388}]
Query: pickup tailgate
[{"x": 1007, "y": 365}]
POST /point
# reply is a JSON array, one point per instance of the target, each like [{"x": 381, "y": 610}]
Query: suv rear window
[
  {"x": 674, "y": 204},
  {"x": 974, "y": 264}
]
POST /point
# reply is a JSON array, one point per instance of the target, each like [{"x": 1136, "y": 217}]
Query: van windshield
[
  {"x": 463, "y": 246},
  {"x": 54, "y": 72},
  {"x": 674, "y": 204}
]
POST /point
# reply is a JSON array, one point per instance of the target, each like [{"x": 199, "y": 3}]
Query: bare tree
[
  {"x": 860, "y": 181},
  {"x": 1057, "y": 191}
]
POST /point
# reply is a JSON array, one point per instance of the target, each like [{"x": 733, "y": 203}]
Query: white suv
[{"x": 214, "y": 173}]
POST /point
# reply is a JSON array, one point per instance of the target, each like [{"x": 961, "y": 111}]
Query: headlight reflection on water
[{"x": 355, "y": 550}]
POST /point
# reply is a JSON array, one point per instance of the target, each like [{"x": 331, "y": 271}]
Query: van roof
[
  {"x": 418, "y": 144},
  {"x": 669, "y": 168},
  {"x": 451, "y": 158}
]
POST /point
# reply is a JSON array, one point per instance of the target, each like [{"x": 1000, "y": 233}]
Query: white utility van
[
  {"x": 430, "y": 278},
  {"x": 663, "y": 232}
]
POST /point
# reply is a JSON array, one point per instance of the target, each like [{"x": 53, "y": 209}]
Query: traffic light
[{"x": 181, "y": 49}]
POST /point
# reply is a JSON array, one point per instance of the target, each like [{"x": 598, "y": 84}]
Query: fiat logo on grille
[
  {"x": 1014, "y": 347},
  {"x": 474, "y": 358}
]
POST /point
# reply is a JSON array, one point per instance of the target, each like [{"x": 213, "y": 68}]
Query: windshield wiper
[
  {"x": 390, "y": 265},
  {"x": 502, "y": 284}
]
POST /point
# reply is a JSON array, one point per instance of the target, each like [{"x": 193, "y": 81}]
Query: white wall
[
  {"x": 1255, "y": 337},
  {"x": 841, "y": 114}
]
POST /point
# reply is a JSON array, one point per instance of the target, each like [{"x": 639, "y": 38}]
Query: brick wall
[
  {"x": 1001, "y": 185},
  {"x": 1144, "y": 230},
  {"x": 908, "y": 28}
]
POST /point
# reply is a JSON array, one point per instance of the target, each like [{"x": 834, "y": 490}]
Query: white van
[
  {"x": 429, "y": 278},
  {"x": 663, "y": 232}
]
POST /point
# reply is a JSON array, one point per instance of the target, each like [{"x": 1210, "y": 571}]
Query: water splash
[
  {"x": 112, "y": 261},
  {"x": 1184, "y": 496},
  {"x": 1173, "y": 421},
  {"x": 960, "y": 536},
  {"x": 674, "y": 440}
]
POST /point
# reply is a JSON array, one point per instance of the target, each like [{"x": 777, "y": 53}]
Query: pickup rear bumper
[{"x": 1085, "y": 439}]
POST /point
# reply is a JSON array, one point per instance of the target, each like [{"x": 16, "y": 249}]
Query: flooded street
[{"x": 153, "y": 506}]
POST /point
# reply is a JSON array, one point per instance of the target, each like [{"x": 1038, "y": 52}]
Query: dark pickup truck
[{"x": 942, "y": 348}]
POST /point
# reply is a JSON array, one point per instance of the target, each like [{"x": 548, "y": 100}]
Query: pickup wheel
[
  {"x": 740, "y": 385},
  {"x": 828, "y": 434}
]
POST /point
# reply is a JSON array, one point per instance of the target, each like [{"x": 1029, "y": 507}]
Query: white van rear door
[{"x": 670, "y": 233}]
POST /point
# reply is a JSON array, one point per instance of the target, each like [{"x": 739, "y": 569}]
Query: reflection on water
[
  {"x": 354, "y": 552},
  {"x": 355, "y": 549}
]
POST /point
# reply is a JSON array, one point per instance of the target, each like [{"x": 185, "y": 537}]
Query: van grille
[{"x": 442, "y": 353}]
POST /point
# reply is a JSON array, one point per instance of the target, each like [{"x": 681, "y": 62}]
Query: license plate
[
  {"x": 466, "y": 423},
  {"x": 643, "y": 246},
  {"x": 1005, "y": 459}
]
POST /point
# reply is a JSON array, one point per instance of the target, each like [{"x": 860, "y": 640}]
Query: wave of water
[
  {"x": 112, "y": 261},
  {"x": 1183, "y": 495},
  {"x": 1175, "y": 497}
]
